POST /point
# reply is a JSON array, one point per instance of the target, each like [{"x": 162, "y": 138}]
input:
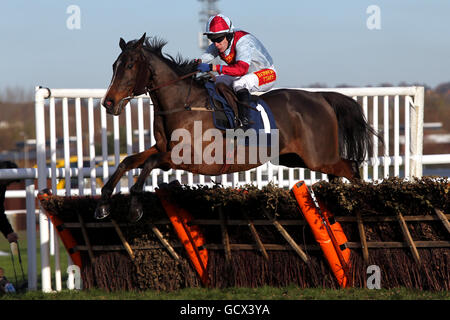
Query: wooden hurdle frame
[{"x": 364, "y": 245}]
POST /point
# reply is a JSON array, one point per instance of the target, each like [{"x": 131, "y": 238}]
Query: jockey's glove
[{"x": 204, "y": 67}]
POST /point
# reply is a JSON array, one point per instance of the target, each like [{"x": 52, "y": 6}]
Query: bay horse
[{"x": 321, "y": 131}]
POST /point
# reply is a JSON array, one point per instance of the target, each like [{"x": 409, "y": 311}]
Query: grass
[
  {"x": 7, "y": 264},
  {"x": 263, "y": 293}
]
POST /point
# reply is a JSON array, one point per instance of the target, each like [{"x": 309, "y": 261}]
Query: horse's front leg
[
  {"x": 129, "y": 163},
  {"x": 159, "y": 160}
]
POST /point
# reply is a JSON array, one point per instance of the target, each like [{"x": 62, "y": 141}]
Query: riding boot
[{"x": 243, "y": 96}]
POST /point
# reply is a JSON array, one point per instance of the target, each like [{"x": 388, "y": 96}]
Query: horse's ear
[
  {"x": 122, "y": 44},
  {"x": 140, "y": 42}
]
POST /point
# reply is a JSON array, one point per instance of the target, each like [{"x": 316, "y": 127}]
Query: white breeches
[{"x": 262, "y": 80}]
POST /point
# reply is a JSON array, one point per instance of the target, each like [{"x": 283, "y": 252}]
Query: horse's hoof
[
  {"x": 136, "y": 212},
  {"x": 101, "y": 212}
]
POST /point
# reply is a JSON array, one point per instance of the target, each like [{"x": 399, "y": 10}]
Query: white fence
[
  {"x": 410, "y": 99},
  {"x": 98, "y": 140}
]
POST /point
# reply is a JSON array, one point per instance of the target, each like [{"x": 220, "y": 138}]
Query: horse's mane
[{"x": 155, "y": 45}]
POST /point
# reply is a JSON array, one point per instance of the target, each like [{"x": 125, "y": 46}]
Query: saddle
[{"x": 224, "y": 102}]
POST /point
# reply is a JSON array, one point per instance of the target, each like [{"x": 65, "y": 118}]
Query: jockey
[{"x": 249, "y": 66}]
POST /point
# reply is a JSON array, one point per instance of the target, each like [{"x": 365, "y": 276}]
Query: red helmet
[{"x": 218, "y": 24}]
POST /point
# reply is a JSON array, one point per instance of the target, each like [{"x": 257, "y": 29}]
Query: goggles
[{"x": 216, "y": 39}]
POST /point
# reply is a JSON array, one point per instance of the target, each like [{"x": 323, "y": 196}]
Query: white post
[
  {"x": 375, "y": 162},
  {"x": 190, "y": 178},
  {"x": 201, "y": 179},
  {"x": 152, "y": 142},
  {"x": 91, "y": 145},
  {"x": 291, "y": 177},
  {"x": 52, "y": 118},
  {"x": 52, "y": 125},
  {"x": 140, "y": 128},
  {"x": 386, "y": 136},
  {"x": 54, "y": 248},
  {"x": 407, "y": 139},
  {"x": 129, "y": 139},
  {"x": 141, "y": 124},
  {"x": 46, "y": 278},
  {"x": 365, "y": 163},
  {"x": 57, "y": 258},
  {"x": 178, "y": 175},
  {"x": 116, "y": 148},
  {"x": 79, "y": 133},
  {"x": 259, "y": 177},
  {"x": 269, "y": 171},
  {"x": 223, "y": 179},
  {"x": 396, "y": 137},
  {"x": 104, "y": 124},
  {"x": 417, "y": 132},
  {"x": 31, "y": 234},
  {"x": 234, "y": 180},
  {"x": 66, "y": 138}
]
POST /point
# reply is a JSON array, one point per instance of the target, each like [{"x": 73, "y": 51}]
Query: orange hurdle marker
[
  {"x": 66, "y": 236},
  {"x": 190, "y": 236},
  {"x": 327, "y": 232}
]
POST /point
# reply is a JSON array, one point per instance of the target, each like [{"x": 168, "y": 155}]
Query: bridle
[
  {"x": 130, "y": 97},
  {"x": 172, "y": 81},
  {"x": 186, "y": 106}
]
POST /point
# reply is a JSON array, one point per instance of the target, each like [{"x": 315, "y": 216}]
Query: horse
[{"x": 321, "y": 131}]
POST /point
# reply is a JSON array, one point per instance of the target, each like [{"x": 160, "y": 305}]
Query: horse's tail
[{"x": 355, "y": 134}]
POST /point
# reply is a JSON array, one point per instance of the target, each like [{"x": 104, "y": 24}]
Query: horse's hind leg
[
  {"x": 355, "y": 168},
  {"x": 130, "y": 162},
  {"x": 158, "y": 160}
]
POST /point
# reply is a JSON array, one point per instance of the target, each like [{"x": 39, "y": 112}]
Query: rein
[
  {"x": 172, "y": 81},
  {"x": 186, "y": 106}
]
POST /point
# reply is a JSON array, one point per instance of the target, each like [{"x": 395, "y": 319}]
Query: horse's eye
[{"x": 130, "y": 66}]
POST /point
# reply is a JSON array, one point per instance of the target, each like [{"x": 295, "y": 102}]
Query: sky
[{"x": 327, "y": 42}]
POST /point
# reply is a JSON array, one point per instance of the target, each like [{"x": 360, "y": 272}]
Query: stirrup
[
  {"x": 240, "y": 124},
  {"x": 246, "y": 122}
]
